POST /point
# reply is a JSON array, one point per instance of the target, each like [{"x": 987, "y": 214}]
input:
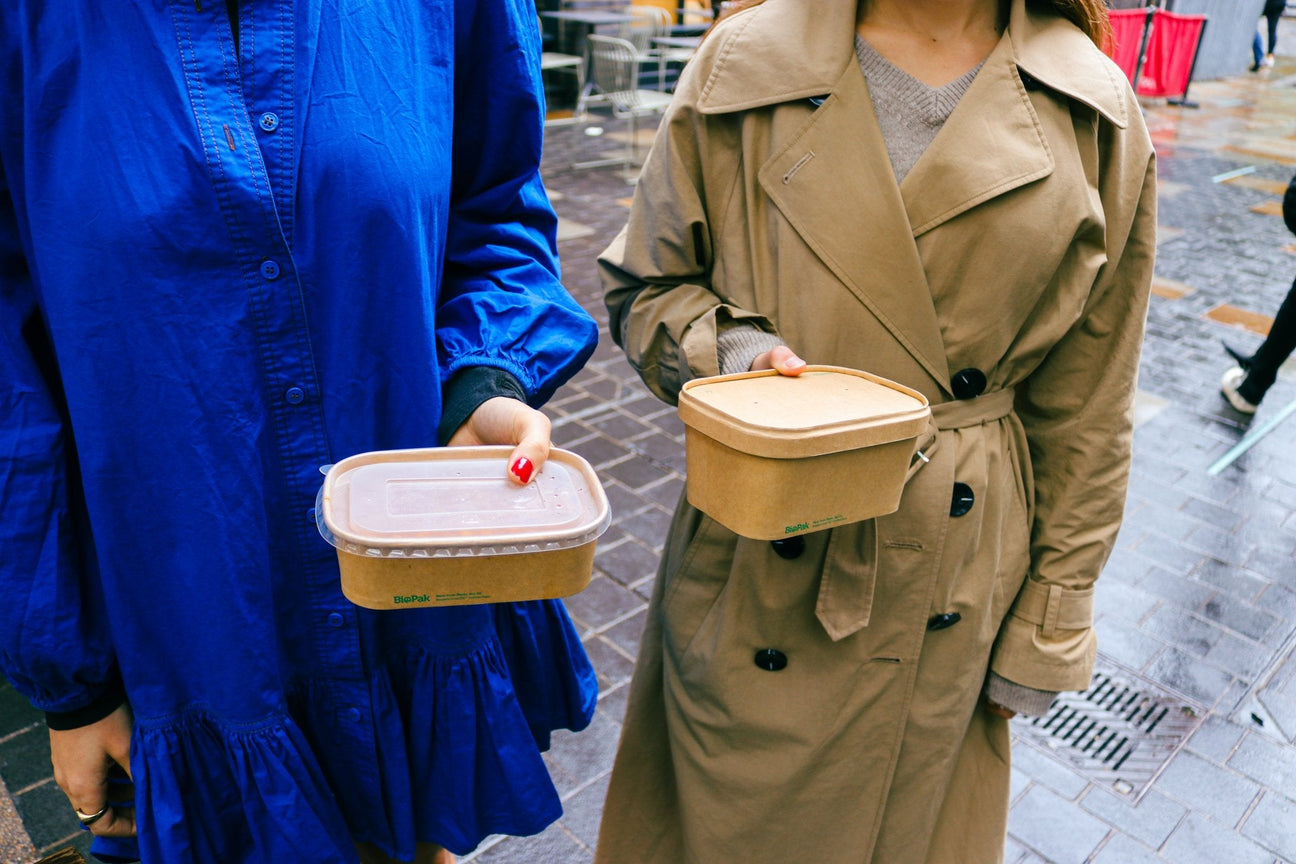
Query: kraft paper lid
[
  {"x": 825, "y": 409},
  {"x": 458, "y": 501}
]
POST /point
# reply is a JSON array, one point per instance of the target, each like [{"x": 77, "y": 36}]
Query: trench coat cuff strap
[
  {"x": 1025, "y": 656},
  {"x": 1053, "y": 608},
  {"x": 1024, "y": 700},
  {"x": 102, "y": 705}
]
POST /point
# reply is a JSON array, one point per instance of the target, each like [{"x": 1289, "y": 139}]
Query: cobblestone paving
[{"x": 1198, "y": 604}]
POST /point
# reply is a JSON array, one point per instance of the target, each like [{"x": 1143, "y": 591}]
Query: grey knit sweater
[{"x": 909, "y": 112}]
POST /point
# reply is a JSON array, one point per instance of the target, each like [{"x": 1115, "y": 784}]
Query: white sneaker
[
  {"x": 1232, "y": 379},
  {"x": 1269, "y": 60}
]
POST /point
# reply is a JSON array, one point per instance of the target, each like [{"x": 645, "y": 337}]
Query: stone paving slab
[
  {"x": 15, "y": 845},
  {"x": 1199, "y": 598}
]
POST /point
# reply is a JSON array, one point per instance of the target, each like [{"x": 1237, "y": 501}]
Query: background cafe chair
[
  {"x": 614, "y": 81},
  {"x": 647, "y": 24},
  {"x": 666, "y": 56}
]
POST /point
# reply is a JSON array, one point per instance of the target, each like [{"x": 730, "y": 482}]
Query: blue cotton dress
[{"x": 222, "y": 267}]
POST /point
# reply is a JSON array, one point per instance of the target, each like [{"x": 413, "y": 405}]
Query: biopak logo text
[{"x": 412, "y": 598}]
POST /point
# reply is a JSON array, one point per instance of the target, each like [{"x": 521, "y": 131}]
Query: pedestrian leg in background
[
  {"x": 1257, "y": 53},
  {"x": 1246, "y": 384},
  {"x": 1273, "y": 12}
]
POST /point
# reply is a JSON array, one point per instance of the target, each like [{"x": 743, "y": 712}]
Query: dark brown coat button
[
  {"x": 790, "y": 548},
  {"x": 968, "y": 383},
  {"x": 962, "y": 500},
  {"x": 945, "y": 619},
  {"x": 771, "y": 659}
]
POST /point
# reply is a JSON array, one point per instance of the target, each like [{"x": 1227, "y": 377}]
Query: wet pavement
[{"x": 1196, "y": 612}]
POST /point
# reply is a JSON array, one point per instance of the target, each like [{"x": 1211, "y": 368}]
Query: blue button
[
  {"x": 270, "y": 268},
  {"x": 269, "y": 121},
  {"x": 353, "y": 714},
  {"x": 310, "y": 514},
  {"x": 295, "y": 395},
  {"x": 335, "y": 619}
]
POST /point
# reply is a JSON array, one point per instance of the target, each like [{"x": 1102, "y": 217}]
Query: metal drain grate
[{"x": 1118, "y": 733}]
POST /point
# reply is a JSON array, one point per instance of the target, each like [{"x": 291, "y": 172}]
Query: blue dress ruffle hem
[{"x": 460, "y": 737}]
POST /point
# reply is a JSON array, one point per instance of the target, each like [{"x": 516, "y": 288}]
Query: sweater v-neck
[{"x": 909, "y": 111}]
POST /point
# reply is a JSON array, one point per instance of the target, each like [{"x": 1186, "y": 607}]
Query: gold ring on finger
[{"x": 91, "y": 818}]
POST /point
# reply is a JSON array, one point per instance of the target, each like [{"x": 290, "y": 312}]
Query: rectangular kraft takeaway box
[
  {"x": 772, "y": 456},
  {"x": 445, "y": 526}
]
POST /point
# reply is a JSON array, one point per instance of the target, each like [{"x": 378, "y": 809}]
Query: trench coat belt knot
[{"x": 845, "y": 601}]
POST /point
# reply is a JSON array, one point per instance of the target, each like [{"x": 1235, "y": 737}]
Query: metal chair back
[
  {"x": 647, "y": 22},
  {"x": 614, "y": 78},
  {"x": 614, "y": 73}
]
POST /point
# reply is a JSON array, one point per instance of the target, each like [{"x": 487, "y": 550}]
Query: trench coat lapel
[
  {"x": 834, "y": 184},
  {"x": 996, "y": 124}
]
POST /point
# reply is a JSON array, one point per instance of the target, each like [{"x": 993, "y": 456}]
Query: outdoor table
[
  {"x": 688, "y": 43},
  {"x": 588, "y": 19},
  {"x": 692, "y": 20},
  {"x": 673, "y": 49}
]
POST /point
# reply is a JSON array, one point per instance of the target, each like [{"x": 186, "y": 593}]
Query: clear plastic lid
[{"x": 458, "y": 501}]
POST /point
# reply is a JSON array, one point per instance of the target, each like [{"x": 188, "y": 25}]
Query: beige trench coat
[{"x": 1020, "y": 246}]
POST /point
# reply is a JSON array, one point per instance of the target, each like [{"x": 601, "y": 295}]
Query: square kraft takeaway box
[
  {"x": 446, "y": 527},
  {"x": 772, "y": 456}
]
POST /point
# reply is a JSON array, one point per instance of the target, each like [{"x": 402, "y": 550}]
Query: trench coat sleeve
[
  {"x": 502, "y": 304},
  {"x": 54, "y": 641},
  {"x": 1077, "y": 410},
  {"x": 663, "y": 309}
]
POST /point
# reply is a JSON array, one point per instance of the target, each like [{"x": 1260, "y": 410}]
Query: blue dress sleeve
[
  {"x": 502, "y": 303},
  {"x": 54, "y": 644}
]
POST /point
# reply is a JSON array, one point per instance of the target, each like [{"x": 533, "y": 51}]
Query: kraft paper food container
[
  {"x": 771, "y": 456},
  {"x": 446, "y": 527}
]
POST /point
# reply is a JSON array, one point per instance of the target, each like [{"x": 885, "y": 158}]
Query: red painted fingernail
[{"x": 522, "y": 469}]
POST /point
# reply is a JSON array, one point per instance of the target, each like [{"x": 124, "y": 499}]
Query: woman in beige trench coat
[{"x": 1006, "y": 278}]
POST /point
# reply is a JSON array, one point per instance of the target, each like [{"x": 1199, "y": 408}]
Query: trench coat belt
[
  {"x": 973, "y": 412},
  {"x": 959, "y": 414},
  {"x": 845, "y": 601}
]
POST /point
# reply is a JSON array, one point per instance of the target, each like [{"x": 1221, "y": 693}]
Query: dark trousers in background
[{"x": 1262, "y": 369}]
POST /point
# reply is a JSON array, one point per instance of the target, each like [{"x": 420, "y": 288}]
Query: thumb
[
  {"x": 532, "y": 429},
  {"x": 782, "y": 359}
]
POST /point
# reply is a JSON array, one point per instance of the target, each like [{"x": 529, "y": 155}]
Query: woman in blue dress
[{"x": 239, "y": 241}]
